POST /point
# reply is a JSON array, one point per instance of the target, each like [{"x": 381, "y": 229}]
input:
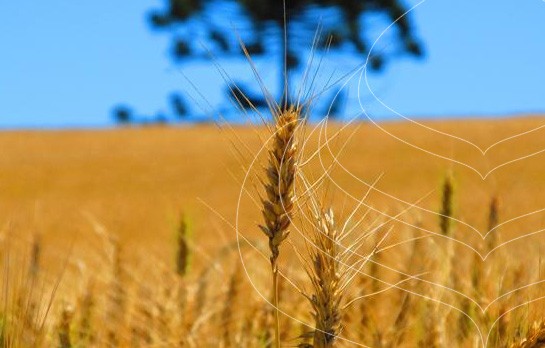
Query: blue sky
[{"x": 67, "y": 63}]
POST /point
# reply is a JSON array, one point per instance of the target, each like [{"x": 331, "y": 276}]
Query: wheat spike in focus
[{"x": 280, "y": 178}]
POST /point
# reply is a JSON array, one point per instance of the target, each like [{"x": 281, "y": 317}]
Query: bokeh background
[{"x": 67, "y": 64}]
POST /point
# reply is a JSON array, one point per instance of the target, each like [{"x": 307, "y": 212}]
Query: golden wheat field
[{"x": 150, "y": 237}]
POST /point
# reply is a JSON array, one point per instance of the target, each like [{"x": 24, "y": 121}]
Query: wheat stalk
[{"x": 278, "y": 206}]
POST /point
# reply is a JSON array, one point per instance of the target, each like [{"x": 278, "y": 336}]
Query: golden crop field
[{"x": 97, "y": 227}]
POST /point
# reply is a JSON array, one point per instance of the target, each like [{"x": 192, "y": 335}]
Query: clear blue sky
[{"x": 67, "y": 63}]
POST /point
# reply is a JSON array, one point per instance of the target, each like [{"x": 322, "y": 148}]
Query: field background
[{"x": 136, "y": 182}]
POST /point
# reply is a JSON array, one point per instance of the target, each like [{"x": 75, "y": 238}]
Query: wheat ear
[
  {"x": 535, "y": 337},
  {"x": 64, "y": 325},
  {"x": 182, "y": 248},
  {"x": 446, "y": 206},
  {"x": 278, "y": 206},
  {"x": 325, "y": 275},
  {"x": 493, "y": 220}
]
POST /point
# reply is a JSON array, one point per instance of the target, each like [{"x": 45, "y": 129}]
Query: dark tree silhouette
[
  {"x": 343, "y": 27},
  {"x": 179, "y": 105},
  {"x": 122, "y": 114}
]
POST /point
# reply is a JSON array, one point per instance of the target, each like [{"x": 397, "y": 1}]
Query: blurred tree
[
  {"x": 122, "y": 114},
  {"x": 343, "y": 27},
  {"x": 179, "y": 105}
]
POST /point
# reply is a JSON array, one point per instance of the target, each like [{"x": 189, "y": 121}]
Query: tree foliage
[
  {"x": 347, "y": 27},
  {"x": 122, "y": 114},
  {"x": 344, "y": 26}
]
